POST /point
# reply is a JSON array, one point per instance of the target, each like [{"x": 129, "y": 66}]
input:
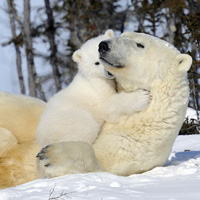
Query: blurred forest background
[{"x": 62, "y": 26}]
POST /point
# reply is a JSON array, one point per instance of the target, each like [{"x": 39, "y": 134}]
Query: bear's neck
[
  {"x": 167, "y": 109},
  {"x": 130, "y": 86}
]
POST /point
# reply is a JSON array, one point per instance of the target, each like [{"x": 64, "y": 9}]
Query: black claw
[
  {"x": 48, "y": 165},
  {"x": 41, "y": 154}
]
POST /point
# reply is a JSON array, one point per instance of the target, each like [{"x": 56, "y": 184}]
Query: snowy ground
[{"x": 178, "y": 180}]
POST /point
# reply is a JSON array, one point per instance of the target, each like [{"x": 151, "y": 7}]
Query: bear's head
[
  {"x": 137, "y": 60},
  {"x": 87, "y": 57}
]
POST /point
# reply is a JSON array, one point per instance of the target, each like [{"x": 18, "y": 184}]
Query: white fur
[
  {"x": 145, "y": 140},
  {"x": 80, "y": 159},
  {"x": 19, "y": 116},
  {"x": 78, "y": 112},
  {"x": 133, "y": 145}
]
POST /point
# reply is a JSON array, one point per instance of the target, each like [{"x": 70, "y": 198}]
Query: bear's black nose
[{"x": 103, "y": 47}]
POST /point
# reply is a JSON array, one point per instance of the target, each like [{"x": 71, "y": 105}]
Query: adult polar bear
[
  {"x": 19, "y": 116},
  {"x": 146, "y": 133},
  {"x": 144, "y": 140}
]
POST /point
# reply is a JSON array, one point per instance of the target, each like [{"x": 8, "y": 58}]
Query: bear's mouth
[
  {"x": 109, "y": 63},
  {"x": 108, "y": 74}
]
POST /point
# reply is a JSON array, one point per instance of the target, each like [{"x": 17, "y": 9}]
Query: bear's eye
[
  {"x": 96, "y": 63},
  {"x": 140, "y": 45}
]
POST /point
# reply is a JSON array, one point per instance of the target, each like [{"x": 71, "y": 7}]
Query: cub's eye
[
  {"x": 140, "y": 45},
  {"x": 96, "y": 63}
]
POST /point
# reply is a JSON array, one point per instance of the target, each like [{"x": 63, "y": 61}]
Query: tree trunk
[
  {"x": 29, "y": 52},
  {"x": 12, "y": 16},
  {"x": 33, "y": 81},
  {"x": 53, "y": 47}
]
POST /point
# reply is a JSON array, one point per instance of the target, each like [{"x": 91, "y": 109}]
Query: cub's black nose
[{"x": 103, "y": 47}]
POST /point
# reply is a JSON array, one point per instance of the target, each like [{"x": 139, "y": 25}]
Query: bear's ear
[
  {"x": 77, "y": 56},
  {"x": 128, "y": 34},
  {"x": 184, "y": 62},
  {"x": 109, "y": 33}
]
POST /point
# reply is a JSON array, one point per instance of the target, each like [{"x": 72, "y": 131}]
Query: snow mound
[{"x": 178, "y": 180}]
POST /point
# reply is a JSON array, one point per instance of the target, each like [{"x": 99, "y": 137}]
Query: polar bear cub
[{"x": 78, "y": 112}]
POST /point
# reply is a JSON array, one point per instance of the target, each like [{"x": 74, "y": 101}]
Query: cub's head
[
  {"x": 87, "y": 57},
  {"x": 137, "y": 60}
]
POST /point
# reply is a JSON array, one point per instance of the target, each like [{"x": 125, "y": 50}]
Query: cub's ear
[
  {"x": 184, "y": 62},
  {"x": 77, "y": 56},
  {"x": 109, "y": 33}
]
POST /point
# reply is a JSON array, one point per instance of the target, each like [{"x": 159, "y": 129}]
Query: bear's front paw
[
  {"x": 67, "y": 158},
  {"x": 142, "y": 100}
]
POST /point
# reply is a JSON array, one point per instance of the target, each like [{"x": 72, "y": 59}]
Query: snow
[
  {"x": 178, "y": 180},
  {"x": 191, "y": 113}
]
